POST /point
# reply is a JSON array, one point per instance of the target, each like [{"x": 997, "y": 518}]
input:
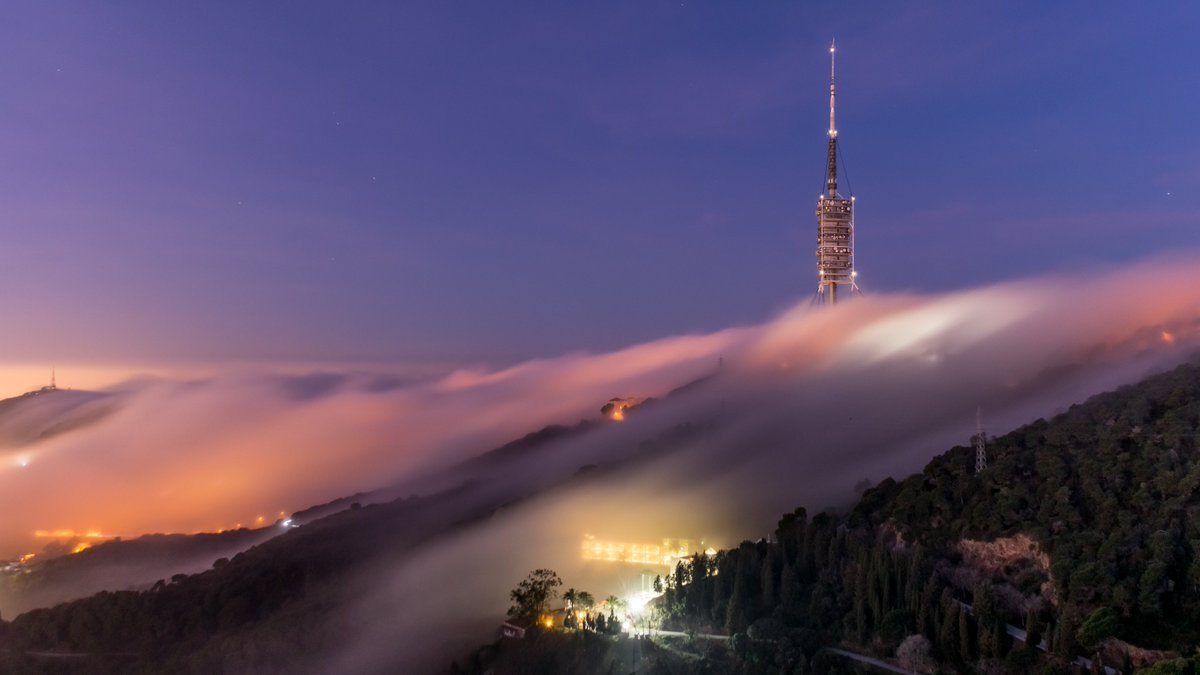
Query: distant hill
[
  {"x": 33, "y": 417},
  {"x": 131, "y": 564},
  {"x": 267, "y": 605}
]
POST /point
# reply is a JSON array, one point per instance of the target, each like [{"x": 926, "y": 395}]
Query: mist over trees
[{"x": 1106, "y": 492}]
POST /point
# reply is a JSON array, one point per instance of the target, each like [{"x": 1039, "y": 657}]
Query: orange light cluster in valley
[{"x": 72, "y": 534}]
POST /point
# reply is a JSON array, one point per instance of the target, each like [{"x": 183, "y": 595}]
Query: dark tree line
[{"x": 822, "y": 583}]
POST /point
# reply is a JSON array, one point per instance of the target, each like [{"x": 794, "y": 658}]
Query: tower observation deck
[{"x": 835, "y": 220}]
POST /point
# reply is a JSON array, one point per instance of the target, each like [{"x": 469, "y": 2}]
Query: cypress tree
[
  {"x": 929, "y": 611},
  {"x": 999, "y": 639},
  {"x": 966, "y": 645},
  {"x": 789, "y": 590},
  {"x": 947, "y": 639},
  {"x": 860, "y": 607},
  {"x": 744, "y": 597},
  {"x": 770, "y": 579},
  {"x": 1033, "y": 631}
]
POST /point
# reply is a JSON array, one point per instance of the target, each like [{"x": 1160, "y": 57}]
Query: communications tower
[
  {"x": 835, "y": 221},
  {"x": 979, "y": 440}
]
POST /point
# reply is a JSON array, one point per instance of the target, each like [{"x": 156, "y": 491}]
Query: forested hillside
[
  {"x": 1108, "y": 490},
  {"x": 1082, "y": 530}
]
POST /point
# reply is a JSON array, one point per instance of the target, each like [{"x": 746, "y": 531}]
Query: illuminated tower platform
[{"x": 835, "y": 222}]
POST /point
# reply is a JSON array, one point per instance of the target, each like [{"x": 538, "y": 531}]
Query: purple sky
[{"x": 469, "y": 181}]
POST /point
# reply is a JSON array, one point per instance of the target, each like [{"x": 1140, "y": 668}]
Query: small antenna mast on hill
[
  {"x": 53, "y": 383},
  {"x": 980, "y": 442}
]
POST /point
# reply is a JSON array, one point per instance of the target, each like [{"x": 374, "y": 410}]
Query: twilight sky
[{"x": 486, "y": 182}]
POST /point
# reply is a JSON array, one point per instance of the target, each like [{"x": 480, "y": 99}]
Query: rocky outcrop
[
  {"x": 1002, "y": 554},
  {"x": 1011, "y": 564}
]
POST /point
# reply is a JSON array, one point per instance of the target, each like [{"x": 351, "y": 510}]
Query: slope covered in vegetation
[
  {"x": 1083, "y": 531},
  {"x": 1108, "y": 490}
]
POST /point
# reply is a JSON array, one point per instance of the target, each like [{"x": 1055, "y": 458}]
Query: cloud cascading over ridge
[{"x": 803, "y": 407}]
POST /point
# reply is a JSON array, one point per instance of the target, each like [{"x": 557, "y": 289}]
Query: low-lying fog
[{"x": 800, "y": 410}]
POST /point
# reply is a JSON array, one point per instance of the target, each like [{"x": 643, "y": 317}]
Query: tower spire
[{"x": 831, "y": 171}]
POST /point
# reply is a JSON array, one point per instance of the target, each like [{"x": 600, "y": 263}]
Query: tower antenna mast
[
  {"x": 831, "y": 165},
  {"x": 835, "y": 216}
]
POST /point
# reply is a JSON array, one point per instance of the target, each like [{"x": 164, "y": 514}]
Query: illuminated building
[
  {"x": 835, "y": 222},
  {"x": 666, "y": 553},
  {"x": 616, "y": 407}
]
